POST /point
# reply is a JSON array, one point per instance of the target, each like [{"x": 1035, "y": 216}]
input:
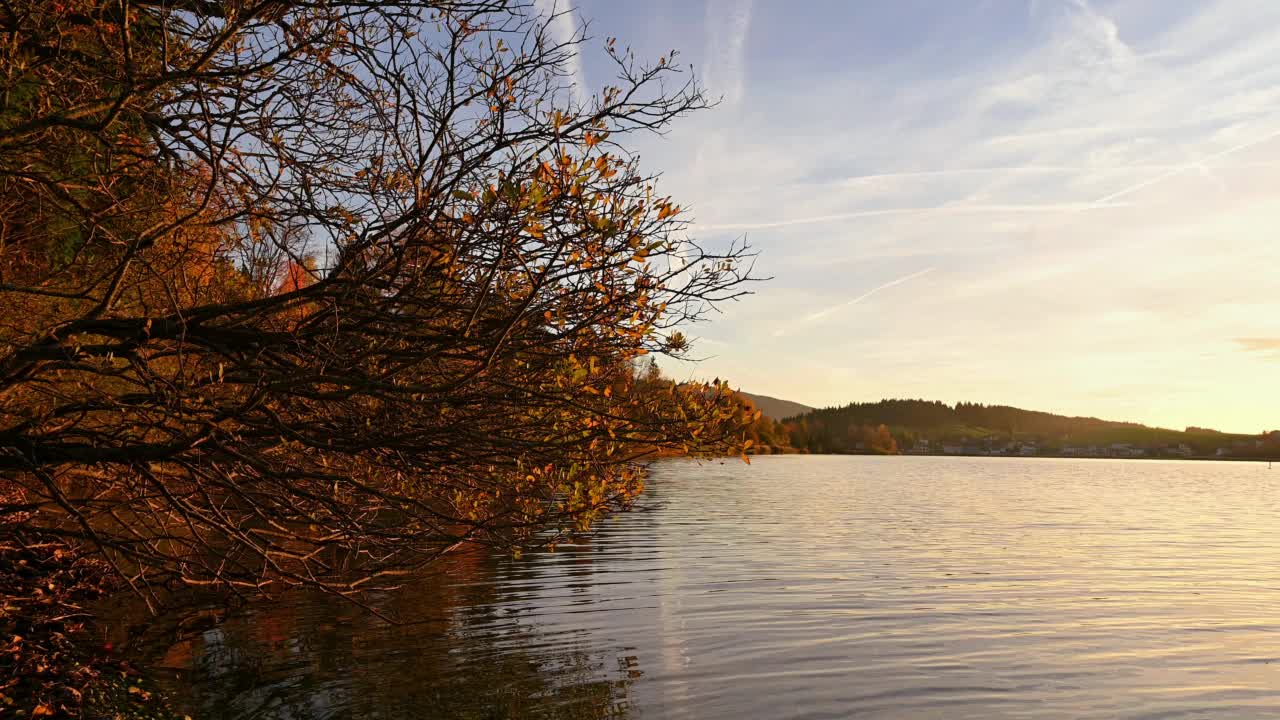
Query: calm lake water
[{"x": 816, "y": 587}]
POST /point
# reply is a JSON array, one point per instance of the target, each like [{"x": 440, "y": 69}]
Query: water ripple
[{"x": 819, "y": 587}]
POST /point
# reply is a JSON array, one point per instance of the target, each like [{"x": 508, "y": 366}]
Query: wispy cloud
[
  {"x": 1269, "y": 346},
  {"x": 723, "y": 75},
  {"x": 815, "y": 317},
  {"x": 1101, "y": 36},
  {"x": 728, "y": 25},
  {"x": 1085, "y": 161},
  {"x": 940, "y": 210},
  {"x": 563, "y": 23},
  {"x": 1058, "y": 134},
  {"x": 1004, "y": 170},
  {"x": 1198, "y": 166}
]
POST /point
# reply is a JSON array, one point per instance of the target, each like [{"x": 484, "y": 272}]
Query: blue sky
[{"x": 1056, "y": 204}]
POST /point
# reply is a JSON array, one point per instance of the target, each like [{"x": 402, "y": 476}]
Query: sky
[{"x": 1061, "y": 205}]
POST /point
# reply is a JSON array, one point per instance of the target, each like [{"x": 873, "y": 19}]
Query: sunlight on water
[{"x": 817, "y": 587}]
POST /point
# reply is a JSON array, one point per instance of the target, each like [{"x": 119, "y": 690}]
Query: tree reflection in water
[{"x": 467, "y": 654}]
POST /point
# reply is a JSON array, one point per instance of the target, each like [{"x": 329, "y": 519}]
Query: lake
[{"x": 814, "y": 587}]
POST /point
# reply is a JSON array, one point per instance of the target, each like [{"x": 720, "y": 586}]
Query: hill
[
  {"x": 775, "y": 408},
  {"x": 922, "y": 426}
]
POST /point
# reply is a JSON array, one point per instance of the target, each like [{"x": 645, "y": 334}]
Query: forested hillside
[{"x": 974, "y": 428}]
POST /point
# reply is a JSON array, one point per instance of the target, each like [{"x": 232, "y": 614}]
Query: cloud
[
  {"x": 941, "y": 210},
  {"x": 563, "y": 23},
  {"x": 814, "y": 317},
  {"x": 1099, "y": 37},
  {"x": 728, "y": 25},
  {"x": 1028, "y": 90},
  {"x": 1198, "y": 166},
  {"x": 1058, "y": 134},
  {"x": 1264, "y": 345},
  {"x": 1005, "y": 170},
  {"x": 868, "y": 151}
]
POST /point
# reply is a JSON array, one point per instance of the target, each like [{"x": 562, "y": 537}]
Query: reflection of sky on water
[{"x": 816, "y": 587}]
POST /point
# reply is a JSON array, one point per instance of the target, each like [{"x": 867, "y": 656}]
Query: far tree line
[{"x": 903, "y": 425}]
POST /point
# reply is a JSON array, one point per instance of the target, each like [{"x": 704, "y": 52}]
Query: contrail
[
  {"x": 814, "y": 317},
  {"x": 1198, "y": 165},
  {"x": 1011, "y": 169},
  {"x": 560, "y": 16},
  {"x": 728, "y": 25},
  {"x": 945, "y": 209},
  {"x": 853, "y": 181},
  {"x": 1060, "y": 132}
]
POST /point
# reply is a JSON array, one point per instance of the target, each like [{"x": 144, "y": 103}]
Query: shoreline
[{"x": 1043, "y": 456}]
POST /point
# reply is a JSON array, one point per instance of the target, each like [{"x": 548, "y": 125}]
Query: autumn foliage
[{"x": 313, "y": 292}]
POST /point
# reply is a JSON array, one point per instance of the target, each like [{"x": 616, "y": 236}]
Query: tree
[
  {"x": 880, "y": 441},
  {"x": 306, "y": 292}
]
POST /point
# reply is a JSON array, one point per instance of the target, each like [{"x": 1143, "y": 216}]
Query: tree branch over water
[{"x": 312, "y": 292}]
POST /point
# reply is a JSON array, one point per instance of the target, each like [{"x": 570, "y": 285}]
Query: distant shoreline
[{"x": 1051, "y": 456}]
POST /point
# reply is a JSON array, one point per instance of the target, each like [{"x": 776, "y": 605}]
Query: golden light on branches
[{"x": 304, "y": 292}]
